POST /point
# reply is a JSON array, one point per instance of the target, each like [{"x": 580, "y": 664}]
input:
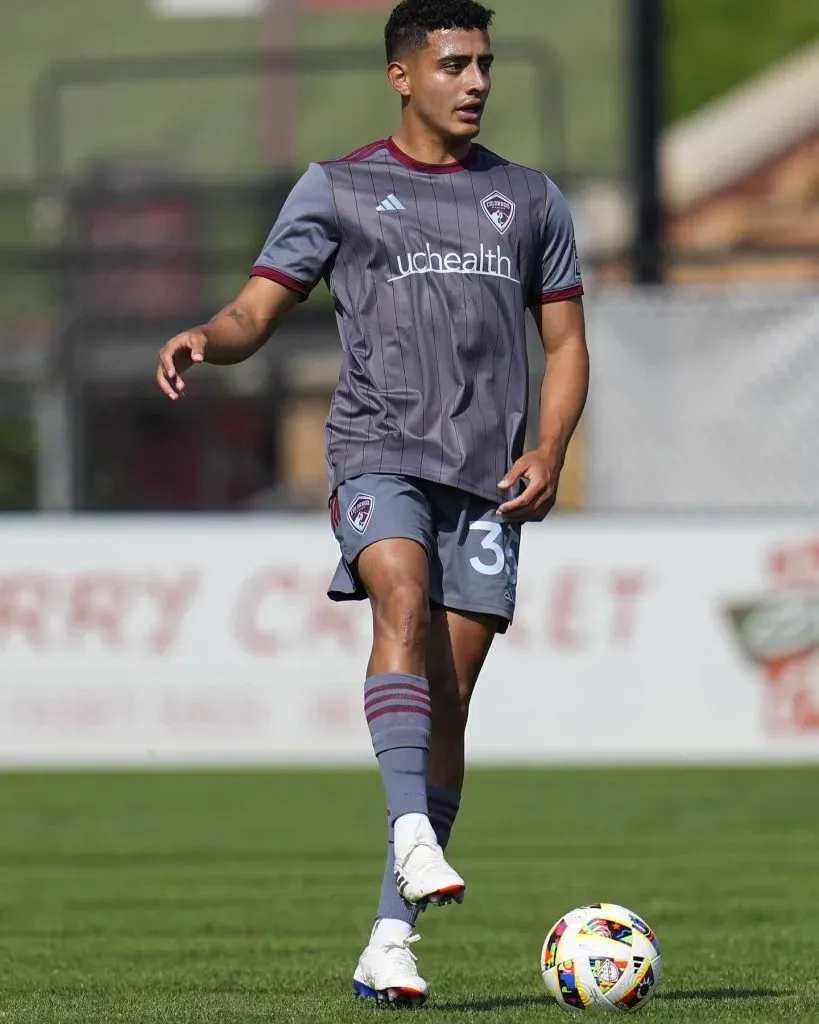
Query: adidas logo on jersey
[{"x": 390, "y": 205}]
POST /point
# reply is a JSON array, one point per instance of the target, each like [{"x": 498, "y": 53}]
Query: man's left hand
[{"x": 540, "y": 469}]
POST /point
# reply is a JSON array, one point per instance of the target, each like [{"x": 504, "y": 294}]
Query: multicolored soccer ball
[{"x": 601, "y": 956}]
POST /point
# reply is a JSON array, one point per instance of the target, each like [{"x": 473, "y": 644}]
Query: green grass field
[{"x": 246, "y": 897}]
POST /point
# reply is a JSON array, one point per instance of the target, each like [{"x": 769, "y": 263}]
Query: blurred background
[{"x": 145, "y": 156}]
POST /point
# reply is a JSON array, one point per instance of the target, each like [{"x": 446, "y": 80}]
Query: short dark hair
[{"x": 412, "y": 21}]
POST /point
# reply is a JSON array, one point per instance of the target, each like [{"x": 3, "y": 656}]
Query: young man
[{"x": 433, "y": 249}]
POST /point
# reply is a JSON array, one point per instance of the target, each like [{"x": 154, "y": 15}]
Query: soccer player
[{"x": 433, "y": 249}]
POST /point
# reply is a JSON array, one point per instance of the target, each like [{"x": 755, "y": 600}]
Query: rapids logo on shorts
[
  {"x": 360, "y": 512},
  {"x": 500, "y": 210}
]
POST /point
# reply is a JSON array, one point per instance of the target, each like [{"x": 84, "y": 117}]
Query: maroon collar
[{"x": 417, "y": 165}]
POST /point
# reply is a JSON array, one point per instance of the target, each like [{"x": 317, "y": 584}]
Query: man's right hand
[
  {"x": 175, "y": 357},
  {"x": 230, "y": 337}
]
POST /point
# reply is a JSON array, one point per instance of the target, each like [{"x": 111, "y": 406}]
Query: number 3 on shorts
[{"x": 490, "y": 544}]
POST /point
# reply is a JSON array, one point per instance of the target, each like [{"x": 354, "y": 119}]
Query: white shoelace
[{"x": 403, "y": 948}]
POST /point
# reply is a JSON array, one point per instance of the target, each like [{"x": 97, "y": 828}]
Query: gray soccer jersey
[{"x": 431, "y": 268}]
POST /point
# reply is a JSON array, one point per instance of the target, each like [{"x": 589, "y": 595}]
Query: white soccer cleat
[
  {"x": 424, "y": 878},
  {"x": 387, "y": 974}
]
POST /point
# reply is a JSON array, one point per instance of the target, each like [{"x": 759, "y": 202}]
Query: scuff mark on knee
[{"x": 409, "y": 633}]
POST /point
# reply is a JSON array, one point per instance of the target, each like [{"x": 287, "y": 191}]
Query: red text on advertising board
[
  {"x": 282, "y": 611},
  {"x": 586, "y": 609},
  {"x": 118, "y": 611}
]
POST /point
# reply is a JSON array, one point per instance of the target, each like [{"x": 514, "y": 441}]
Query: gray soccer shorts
[{"x": 473, "y": 553}]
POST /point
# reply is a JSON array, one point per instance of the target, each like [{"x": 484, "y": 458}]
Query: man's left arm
[{"x": 562, "y": 397}]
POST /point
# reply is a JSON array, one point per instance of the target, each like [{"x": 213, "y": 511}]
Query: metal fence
[
  {"x": 82, "y": 425},
  {"x": 104, "y": 256},
  {"x": 702, "y": 398},
  {"x": 80, "y": 322}
]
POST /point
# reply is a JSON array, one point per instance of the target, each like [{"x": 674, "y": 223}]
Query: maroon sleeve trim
[
  {"x": 564, "y": 293},
  {"x": 282, "y": 279}
]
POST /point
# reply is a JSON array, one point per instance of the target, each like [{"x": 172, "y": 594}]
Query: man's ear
[{"x": 398, "y": 75}]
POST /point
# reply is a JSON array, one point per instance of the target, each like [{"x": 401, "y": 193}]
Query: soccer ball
[{"x": 602, "y": 956}]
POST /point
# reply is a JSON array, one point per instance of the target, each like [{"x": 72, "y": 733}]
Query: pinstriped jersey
[{"x": 431, "y": 268}]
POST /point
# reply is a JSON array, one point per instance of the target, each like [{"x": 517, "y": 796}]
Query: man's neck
[{"x": 421, "y": 145}]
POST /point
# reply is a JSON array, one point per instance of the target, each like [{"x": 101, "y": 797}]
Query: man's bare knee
[{"x": 402, "y": 615}]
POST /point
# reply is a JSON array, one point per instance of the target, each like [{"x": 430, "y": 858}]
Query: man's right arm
[
  {"x": 233, "y": 335},
  {"x": 299, "y": 251},
  {"x": 242, "y": 327}
]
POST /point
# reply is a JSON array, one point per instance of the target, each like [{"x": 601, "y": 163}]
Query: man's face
[{"x": 447, "y": 82}]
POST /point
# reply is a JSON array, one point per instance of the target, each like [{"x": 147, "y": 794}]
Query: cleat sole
[
  {"x": 440, "y": 898},
  {"x": 391, "y": 998},
  {"x": 362, "y": 991},
  {"x": 453, "y": 892},
  {"x": 443, "y": 897}
]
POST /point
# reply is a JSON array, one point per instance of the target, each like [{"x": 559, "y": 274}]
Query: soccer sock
[
  {"x": 398, "y": 714},
  {"x": 393, "y": 912},
  {"x": 443, "y": 807}
]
